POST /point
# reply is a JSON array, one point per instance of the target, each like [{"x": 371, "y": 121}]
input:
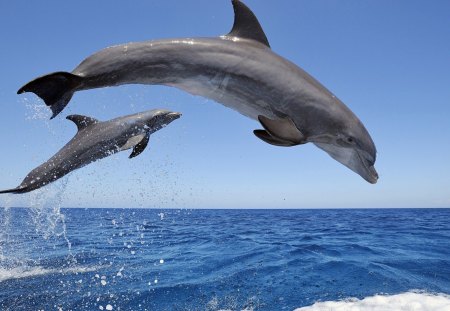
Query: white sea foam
[
  {"x": 410, "y": 301},
  {"x": 26, "y": 272}
]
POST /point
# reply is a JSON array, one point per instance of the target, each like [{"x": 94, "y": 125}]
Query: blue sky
[{"x": 389, "y": 61}]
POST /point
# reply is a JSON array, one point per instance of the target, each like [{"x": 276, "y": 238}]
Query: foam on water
[
  {"x": 26, "y": 272},
  {"x": 410, "y": 301}
]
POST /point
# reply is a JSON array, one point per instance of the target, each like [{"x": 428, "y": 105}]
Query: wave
[
  {"x": 410, "y": 301},
  {"x": 26, "y": 272}
]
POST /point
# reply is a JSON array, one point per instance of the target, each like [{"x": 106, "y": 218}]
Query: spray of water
[
  {"x": 21, "y": 229},
  {"x": 5, "y": 223},
  {"x": 35, "y": 111},
  {"x": 46, "y": 216}
]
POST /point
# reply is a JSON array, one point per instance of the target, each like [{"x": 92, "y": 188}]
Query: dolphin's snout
[
  {"x": 165, "y": 118},
  {"x": 171, "y": 116},
  {"x": 368, "y": 161},
  {"x": 174, "y": 114},
  {"x": 373, "y": 176}
]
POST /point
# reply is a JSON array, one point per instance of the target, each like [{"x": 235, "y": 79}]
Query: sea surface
[{"x": 147, "y": 259}]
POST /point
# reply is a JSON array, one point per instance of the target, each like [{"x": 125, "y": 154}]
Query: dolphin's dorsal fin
[
  {"x": 81, "y": 121},
  {"x": 246, "y": 25},
  {"x": 282, "y": 129},
  {"x": 137, "y": 150}
]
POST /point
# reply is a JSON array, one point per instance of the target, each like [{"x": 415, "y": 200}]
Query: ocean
[{"x": 149, "y": 259}]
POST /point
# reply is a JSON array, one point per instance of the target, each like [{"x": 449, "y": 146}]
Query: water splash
[
  {"x": 43, "y": 220},
  {"x": 45, "y": 211},
  {"x": 5, "y": 223},
  {"x": 36, "y": 110}
]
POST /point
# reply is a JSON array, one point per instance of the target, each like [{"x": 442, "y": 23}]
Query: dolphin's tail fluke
[
  {"x": 15, "y": 190},
  {"x": 56, "y": 89}
]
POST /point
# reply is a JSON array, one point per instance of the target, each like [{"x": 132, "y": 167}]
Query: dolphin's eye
[{"x": 351, "y": 140}]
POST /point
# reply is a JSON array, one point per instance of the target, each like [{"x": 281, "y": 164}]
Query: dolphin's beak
[
  {"x": 171, "y": 116},
  {"x": 368, "y": 173},
  {"x": 161, "y": 118},
  {"x": 374, "y": 175},
  {"x": 174, "y": 115},
  {"x": 359, "y": 161}
]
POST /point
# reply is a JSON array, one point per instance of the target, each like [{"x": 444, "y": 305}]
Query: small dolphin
[
  {"x": 96, "y": 140},
  {"x": 238, "y": 70}
]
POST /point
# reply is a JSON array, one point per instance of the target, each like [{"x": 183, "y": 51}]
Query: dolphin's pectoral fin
[
  {"x": 266, "y": 137},
  {"x": 131, "y": 142},
  {"x": 283, "y": 130},
  {"x": 81, "y": 121},
  {"x": 246, "y": 25},
  {"x": 140, "y": 147}
]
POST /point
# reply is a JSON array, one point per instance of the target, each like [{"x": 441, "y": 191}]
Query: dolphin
[
  {"x": 239, "y": 70},
  {"x": 96, "y": 140}
]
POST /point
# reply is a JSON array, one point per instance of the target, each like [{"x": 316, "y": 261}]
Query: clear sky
[{"x": 389, "y": 61}]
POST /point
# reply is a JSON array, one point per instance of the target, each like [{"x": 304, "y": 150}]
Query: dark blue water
[{"x": 130, "y": 259}]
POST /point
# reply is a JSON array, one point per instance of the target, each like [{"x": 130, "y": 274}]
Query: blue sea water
[{"x": 146, "y": 259}]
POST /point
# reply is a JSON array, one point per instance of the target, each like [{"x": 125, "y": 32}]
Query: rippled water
[{"x": 137, "y": 259}]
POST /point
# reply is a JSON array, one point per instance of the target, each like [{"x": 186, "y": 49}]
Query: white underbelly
[{"x": 217, "y": 90}]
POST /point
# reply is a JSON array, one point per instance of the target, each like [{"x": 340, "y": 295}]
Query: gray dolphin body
[
  {"x": 96, "y": 140},
  {"x": 238, "y": 70}
]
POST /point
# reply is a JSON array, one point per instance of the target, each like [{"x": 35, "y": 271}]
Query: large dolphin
[
  {"x": 96, "y": 140},
  {"x": 238, "y": 70}
]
